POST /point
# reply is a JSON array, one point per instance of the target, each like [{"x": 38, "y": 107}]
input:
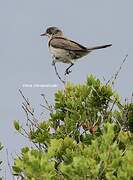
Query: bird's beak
[{"x": 43, "y": 34}]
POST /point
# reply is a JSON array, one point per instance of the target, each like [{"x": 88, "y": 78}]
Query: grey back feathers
[{"x": 64, "y": 43}]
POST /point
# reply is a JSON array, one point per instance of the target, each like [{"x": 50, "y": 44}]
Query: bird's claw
[{"x": 67, "y": 72}]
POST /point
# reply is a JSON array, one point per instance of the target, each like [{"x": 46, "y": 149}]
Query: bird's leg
[{"x": 68, "y": 71}]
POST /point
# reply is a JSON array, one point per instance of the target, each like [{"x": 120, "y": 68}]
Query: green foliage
[
  {"x": 34, "y": 165},
  {"x": 41, "y": 133},
  {"x": 82, "y": 105},
  {"x": 16, "y": 125},
  {"x": 125, "y": 116},
  {"x": 65, "y": 158},
  {"x": 91, "y": 137}
]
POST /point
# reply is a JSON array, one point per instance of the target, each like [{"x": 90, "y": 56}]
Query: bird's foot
[{"x": 67, "y": 72}]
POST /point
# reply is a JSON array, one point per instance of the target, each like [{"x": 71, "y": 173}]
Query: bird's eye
[
  {"x": 56, "y": 31},
  {"x": 48, "y": 31}
]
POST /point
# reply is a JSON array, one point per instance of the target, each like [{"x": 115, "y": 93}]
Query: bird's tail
[{"x": 99, "y": 47}]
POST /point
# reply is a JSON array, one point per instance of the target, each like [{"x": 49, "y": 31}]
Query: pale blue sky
[{"x": 25, "y": 58}]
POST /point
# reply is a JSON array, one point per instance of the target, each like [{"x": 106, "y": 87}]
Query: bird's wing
[{"x": 63, "y": 43}]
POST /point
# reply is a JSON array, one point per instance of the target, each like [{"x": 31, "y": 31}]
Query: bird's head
[{"x": 52, "y": 31}]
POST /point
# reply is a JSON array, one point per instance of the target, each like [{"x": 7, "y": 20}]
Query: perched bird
[{"x": 65, "y": 50}]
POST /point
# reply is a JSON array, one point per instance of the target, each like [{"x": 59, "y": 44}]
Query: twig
[
  {"x": 58, "y": 74},
  {"x": 27, "y": 107},
  {"x": 45, "y": 108},
  {"x": 113, "y": 104},
  {"x": 21, "y": 176},
  {"x": 9, "y": 165},
  {"x": 131, "y": 98},
  {"x": 43, "y": 95},
  {"x": 48, "y": 106},
  {"x": 24, "y": 97},
  {"x": 114, "y": 76},
  {"x": 33, "y": 122},
  {"x": 28, "y": 119},
  {"x": 29, "y": 111}
]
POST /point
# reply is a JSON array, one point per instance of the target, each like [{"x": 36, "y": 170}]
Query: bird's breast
[
  {"x": 61, "y": 54},
  {"x": 66, "y": 56}
]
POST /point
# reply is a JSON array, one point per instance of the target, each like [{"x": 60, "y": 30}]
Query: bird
[{"x": 66, "y": 50}]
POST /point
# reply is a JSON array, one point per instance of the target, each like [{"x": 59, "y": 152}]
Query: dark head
[{"x": 52, "y": 31}]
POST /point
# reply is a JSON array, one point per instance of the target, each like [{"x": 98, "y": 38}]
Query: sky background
[{"x": 25, "y": 58}]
